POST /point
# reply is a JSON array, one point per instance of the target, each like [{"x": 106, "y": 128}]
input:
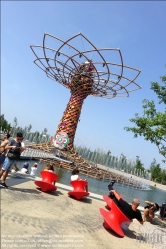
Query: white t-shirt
[
  {"x": 74, "y": 177},
  {"x": 33, "y": 171},
  {"x": 23, "y": 170},
  {"x": 22, "y": 144}
]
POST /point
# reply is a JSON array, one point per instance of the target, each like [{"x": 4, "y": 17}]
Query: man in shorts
[{"x": 14, "y": 147}]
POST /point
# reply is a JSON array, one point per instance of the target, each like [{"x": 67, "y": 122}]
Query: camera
[{"x": 110, "y": 185}]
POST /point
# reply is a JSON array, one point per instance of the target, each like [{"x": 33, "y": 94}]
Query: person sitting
[
  {"x": 75, "y": 176},
  {"x": 50, "y": 168},
  {"x": 130, "y": 211},
  {"x": 150, "y": 209},
  {"x": 33, "y": 169},
  {"x": 25, "y": 168},
  {"x": 162, "y": 211}
]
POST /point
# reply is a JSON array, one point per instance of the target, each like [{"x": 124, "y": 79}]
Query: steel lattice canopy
[{"x": 62, "y": 60}]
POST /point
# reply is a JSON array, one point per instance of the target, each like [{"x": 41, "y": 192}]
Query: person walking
[{"x": 15, "y": 149}]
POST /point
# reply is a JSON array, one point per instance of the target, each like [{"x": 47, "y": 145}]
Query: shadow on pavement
[
  {"x": 160, "y": 223},
  {"x": 55, "y": 192},
  {"x": 24, "y": 190},
  {"x": 83, "y": 200},
  {"x": 130, "y": 233}
]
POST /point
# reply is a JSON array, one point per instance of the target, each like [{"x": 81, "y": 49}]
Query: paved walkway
[{"x": 34, "y": 219}]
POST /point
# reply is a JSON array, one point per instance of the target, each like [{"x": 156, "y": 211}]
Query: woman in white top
[
  {"x": 33, "y": 169},
  {"x": 75, "y": 177}
]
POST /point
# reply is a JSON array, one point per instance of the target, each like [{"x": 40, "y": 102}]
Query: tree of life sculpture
[{"x": 85, "y": 72}]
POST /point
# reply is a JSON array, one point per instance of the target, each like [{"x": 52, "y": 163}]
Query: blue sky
[{"x": 137, "y": 28}]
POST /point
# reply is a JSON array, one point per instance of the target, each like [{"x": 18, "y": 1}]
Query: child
[
  {"x": 75, "y": 177},
  {"x": 33, "y": 169},
  {"x": 25, "y": 168},
  {"x": 49, "y": 168}
]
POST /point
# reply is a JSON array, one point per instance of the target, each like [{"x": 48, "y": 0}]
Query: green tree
[
  {"x": 139, "y": 164},
  {"x": 156, "y": 173},
  {"x": 29, "y": 128},
  {"x": 163, "y": 176},
  {"x": 4, "y": 125},
  {"x": 45, "y": 131},
  {"x": 15, "y": 122},
  {"x": 108, "y": 152},
  {"x": 152, "y": 125},
  {"x": 153, "y": 164}
]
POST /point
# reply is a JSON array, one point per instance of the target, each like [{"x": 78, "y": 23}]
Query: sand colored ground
[{"x": 34, "y": 219}]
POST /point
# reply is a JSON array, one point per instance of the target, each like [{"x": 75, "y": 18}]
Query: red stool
[
  {"x": 108, "y": 200},
  {"x": 47, "y": 179},
  {"x": 114, "y": 218},
  {"x": 78, "y": 191}
]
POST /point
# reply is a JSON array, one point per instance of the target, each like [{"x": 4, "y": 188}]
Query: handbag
[{"x": 13, "y": 156}]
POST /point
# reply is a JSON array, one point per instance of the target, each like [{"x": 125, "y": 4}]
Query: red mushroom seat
[
  {"x": 108, "y": 200},
  {"x": 78, "y": 192},
  {"x": 114, "y": 218},
  {"x": 46, "y": 184}
]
